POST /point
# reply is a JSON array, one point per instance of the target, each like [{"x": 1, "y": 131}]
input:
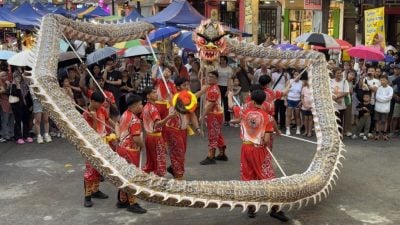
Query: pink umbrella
[{"x": 367, "y": 53}]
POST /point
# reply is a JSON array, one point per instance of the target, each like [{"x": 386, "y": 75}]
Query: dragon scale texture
[{"x": 287, "y": 191}]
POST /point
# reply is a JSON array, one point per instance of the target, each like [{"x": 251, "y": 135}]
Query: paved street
[{"x": 42, "y": 184}]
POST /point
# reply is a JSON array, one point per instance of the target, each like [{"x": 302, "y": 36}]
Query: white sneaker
[
  {"x": 47, "y": 138},
  {"x": 354, "y": 136},
  {"x": 365, "y": 138},
  {"x": 39, "y": 139},
  {"x": 348, "y": 134},
  {"x": 298, "y": 130},
  {"x": 361, "y": 134},
  {"x": 287, "y": 131},
  {"x": 62, "y": 136},
  {"x": 370, "y": 135}
]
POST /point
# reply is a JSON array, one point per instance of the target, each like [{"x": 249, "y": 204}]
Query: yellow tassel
[{"x": 190, "y": 131}]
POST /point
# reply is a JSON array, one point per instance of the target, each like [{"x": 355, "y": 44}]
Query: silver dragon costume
[{"x": 293, "y": 190}]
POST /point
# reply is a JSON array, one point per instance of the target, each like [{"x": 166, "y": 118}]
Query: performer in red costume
[
  {"x": 163, "y": 98},
  {"x": 130, "y": 145},
  {"x": 214, "y": 118},
  {"x": 97, "y": 116},
  {"x": 255, "y": 160},
  {"x": 177, "y": 128},
  {"x": 155, "y": 144}
]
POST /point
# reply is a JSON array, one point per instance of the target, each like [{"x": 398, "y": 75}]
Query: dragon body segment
[{"x": 286, "y": 191}]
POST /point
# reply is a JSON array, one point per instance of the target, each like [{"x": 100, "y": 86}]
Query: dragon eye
[
  {"x": 201, "y": 40},
  {"x": 219, "y": 42}
]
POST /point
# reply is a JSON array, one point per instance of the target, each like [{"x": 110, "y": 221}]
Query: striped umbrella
[
  {"x": 130, "y": 44},
  {"x": 318, "y": 39}
]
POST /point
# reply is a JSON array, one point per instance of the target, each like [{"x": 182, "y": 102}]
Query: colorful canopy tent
[
  {"x": 19, "y": 22},
  {"x": 6, "y": 24},
  {"x": 26, "y": 11},
  {"x": 178, "y": 12},
  {"x": 75, "y": 13},
  {"x": 93, "y": 12}
]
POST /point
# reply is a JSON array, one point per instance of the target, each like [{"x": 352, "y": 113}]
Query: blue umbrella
[
  {"x": 288, "y": 47},
  {"x": 5, "y": 55},
  {"x": 185, "y": 41},
  {"x": 388, "y": 59},
  {"x": 100, "y": 55},
  {"x": 163, "y": 33}
]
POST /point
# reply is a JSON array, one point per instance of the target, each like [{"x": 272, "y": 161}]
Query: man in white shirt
[
  {"x": 279, "y": 78},
  {"x": 80, "y": 47},
  {"x": 263, "y": 70},
  {"x": 190, "y": 60}
]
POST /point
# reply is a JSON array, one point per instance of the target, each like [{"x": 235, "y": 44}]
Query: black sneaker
[
  {"x": 170, "y": 170},
  {"x": 121, "y": 205},
  {"x": 88, "y": 202},
  {"x": 207, "y": 161},
  {"x": 251, "y": 212},
  {"x": 279, "y": 215},
  {"x": 3, "y": 140},
  {"x": 136, "y": 208},
  {"x": 99, "y": 195},
  {"x": 101, "y": 179},
  {"x": 221, "y": 158}
]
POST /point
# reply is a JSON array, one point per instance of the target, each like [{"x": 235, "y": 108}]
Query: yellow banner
[{"x": 375, "y": 27}]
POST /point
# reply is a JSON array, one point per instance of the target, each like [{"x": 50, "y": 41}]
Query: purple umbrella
[{"x": 288, "y": 47}]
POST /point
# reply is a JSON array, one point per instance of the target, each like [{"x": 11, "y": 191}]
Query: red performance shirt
[
  {"x": 150, "y": 116},
  {"x": 213, "y": 96},
  {"x": 102, "y": 117},
  {"x": 255, "y": 123},
  {"x": 162, "y": 93},
  {"x": 130, "y": 126}
]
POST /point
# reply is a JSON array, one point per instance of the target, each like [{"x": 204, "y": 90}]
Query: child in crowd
[
  {"x": 306, "y": 104},
  {"x": 235, "y": 99},
  {"x": 364, "y": 117},
  {"x": 383, "y": 97}
]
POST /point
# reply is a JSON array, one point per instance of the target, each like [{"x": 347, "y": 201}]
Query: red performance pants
[
  {"x": 155, "y": 154},
  {"x": 214, "y": 126},
  {"x": 255, "y": 163},
  {"x": 177, "y": 142},
  {"x": 132, "y": 157},
  {"x": 91, "y": 179}
]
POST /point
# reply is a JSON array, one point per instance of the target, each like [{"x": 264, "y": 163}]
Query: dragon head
[{"x": 209, "y": 38}]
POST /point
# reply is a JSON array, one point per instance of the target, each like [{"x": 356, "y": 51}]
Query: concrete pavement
[{"x": 42, "y": 184}]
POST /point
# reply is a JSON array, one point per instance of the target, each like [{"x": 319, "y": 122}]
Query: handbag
[
  {"x": 347, "y": 98},
  {"x": 12, "y": 98}
]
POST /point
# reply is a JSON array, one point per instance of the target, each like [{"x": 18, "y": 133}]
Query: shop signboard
[
  {"x": 375, "y": 27},
  {"x": 313, "y": 4}
]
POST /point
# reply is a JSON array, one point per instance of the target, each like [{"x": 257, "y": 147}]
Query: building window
[
  {"x": 229, "y": 13},
  {"x": 267, "y": 23}
]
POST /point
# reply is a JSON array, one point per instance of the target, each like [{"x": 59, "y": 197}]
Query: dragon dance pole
[
  {"x": 159, "y": 68},
  {"x": 276, "y": 162},
  {"x": 80, "y": 59}
]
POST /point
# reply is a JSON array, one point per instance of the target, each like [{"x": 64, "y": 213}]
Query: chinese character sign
[
  {"x": 313, "y": 4},
  {"x": 375, "y": 28}
]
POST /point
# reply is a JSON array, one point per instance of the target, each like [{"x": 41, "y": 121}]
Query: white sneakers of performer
[{"x": 287, "y": 130}]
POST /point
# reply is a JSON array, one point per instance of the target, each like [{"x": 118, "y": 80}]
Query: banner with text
[
  {"x": 313, "y": 4},
  {"x": 375, "y": 28}
]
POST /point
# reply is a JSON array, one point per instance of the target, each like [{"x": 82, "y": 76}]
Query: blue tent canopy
[
  {"x": 8, "y": 6},
  {"x": 25, "y": 11},
  {"x": 98, "y": 11},
  {"x": 40, "y": 7},
  {"x": 20, "y": 22},
  {"x": 178, "y": 12},
  {"x": 61, "y": 11},
  {"x": 133, "y": 16}
]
